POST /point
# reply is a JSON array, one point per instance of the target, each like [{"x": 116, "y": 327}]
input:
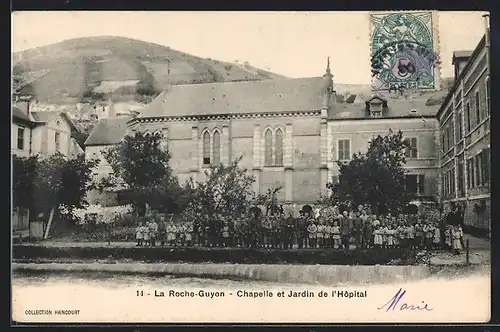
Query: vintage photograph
[{"x": 250, "y": 167}]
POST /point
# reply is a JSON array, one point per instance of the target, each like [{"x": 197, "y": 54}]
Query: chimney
[{"x": 487, "y": 29}]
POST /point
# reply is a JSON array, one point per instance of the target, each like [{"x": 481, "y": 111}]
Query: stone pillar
[
  {"x": 195, "y": 143},
  {"x": 323, "y": 141},
  {"x": 288, "y": 153},
  {"x": 164, "y": 139},
  {"x": 226, "y": 145},
  {"x": 323, "y": 150},
  {"x": 288, "y": 163},
  {"x": 329, "y": 162},
  {"x": 256, "y": 162}
]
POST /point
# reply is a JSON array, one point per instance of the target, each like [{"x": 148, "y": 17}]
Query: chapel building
[{"x": 288, "y": 132}]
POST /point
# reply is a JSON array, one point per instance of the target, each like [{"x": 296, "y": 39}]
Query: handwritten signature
[{"x": 393, "y": 304}]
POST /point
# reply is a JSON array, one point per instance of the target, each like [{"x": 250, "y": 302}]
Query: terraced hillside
[{"x": 120, "y": 68}]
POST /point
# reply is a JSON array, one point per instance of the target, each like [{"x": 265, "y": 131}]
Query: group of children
[
  {"x": 327, "y": 230},
  {"x": 168, "y": 233}
]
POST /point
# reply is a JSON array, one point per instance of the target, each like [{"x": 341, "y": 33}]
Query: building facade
[
  {"x": 42, "y": 132},
  {"x": 464, "y": 125},
  {"x": 287, "y": 132}
]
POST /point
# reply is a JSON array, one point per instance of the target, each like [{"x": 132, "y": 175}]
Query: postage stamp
[
  {"x": 156, "y": 179},
  {"x": 404, "y": 51}
]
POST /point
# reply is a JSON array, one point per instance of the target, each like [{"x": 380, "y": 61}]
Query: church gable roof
[{"x": 302, "y": 94}]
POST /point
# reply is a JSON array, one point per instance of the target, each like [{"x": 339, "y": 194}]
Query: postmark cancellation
[{"x": 404, "y": 51}]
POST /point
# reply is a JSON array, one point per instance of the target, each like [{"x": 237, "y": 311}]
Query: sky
[{"x": 294, "y": 44}]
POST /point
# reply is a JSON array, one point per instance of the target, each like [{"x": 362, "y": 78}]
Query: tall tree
[
  {"x": 44, "y": 185},
  {"x": 376, "y": 177},
  {"x": 142, "y": 166},
  {"x": 227, "y": 192}
]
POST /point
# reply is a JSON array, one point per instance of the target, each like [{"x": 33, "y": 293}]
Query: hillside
[{"x": 95, "y": 68}]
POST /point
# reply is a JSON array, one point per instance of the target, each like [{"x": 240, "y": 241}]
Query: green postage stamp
[{"x": 404, "y": 51}]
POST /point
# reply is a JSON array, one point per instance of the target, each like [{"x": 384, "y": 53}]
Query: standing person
[
  {"x": 170, "y": 234},
  {"x": 358, "y": 230},
  {"x": 368, "y": 234},
  {"x": 311, "y": 229},
  {"x": 336, "y": 235},
  {"x": 320, "y": 232},
  {"x": 153, "y": 228},
  {"x": 428, "y": 234},
  {"x": 459, "y": 215},
  {"x": 139, "y": 234},
  {"x": 146, "y": 234},
  {"x": 456, "y": 233},
  {"x": 437, "y": 237},
  {"x": 301, "y": 230},
  {"x": 419, "y": 233},
  {"x": 345, "y": 229},
  {"x": 328, "y": 234},
  {"x": 410, "y": 233},
  {"x": 162, "y": 231},
  {"x": 189, "y": 233},
  {"x": 378, "y": 239}
]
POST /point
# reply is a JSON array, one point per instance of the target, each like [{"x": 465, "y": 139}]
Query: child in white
[
  {"x": 378, "y": 239},
  {"x": 429, "y": 234},
  {"x": 171, "y": 234},
  {"x": 311, "y": 229},
  {"x": 319, "y": 233},
  {"x": 410, "y": 235},
  {"x": 447, "y": 236},
  {"x": 401, "y": 234},
  {"x": 139, "y": 235},
  {"x": 383, "y": 232},
  {"x": 336, "y": 235},
  {"x": 328, "y": 235},
  {"x": 188, "y": 233},
  {"x": 456, "y": 235},
  {"x": 180, "y": 233},
  {"x": 146, "y": 234},
  {"x": 437, "y": 237},
  {"x": 390, "y": 235}
]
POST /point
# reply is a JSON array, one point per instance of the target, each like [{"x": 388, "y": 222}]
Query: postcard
[{"x": 251, "y": 167}]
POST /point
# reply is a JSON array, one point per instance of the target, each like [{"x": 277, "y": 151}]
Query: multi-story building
[
  {"x": 39, "y": 133},
  {"x": 289, "y": 132},
  {"x": 464, "y": 124}
]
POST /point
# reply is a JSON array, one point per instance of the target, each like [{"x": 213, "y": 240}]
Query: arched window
[
  {"x": 268, "y": 146},
  {"x": 279, "y": 147},
  {"x": 216, "y": 152},
  {"x": 206, "y": 148}
]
